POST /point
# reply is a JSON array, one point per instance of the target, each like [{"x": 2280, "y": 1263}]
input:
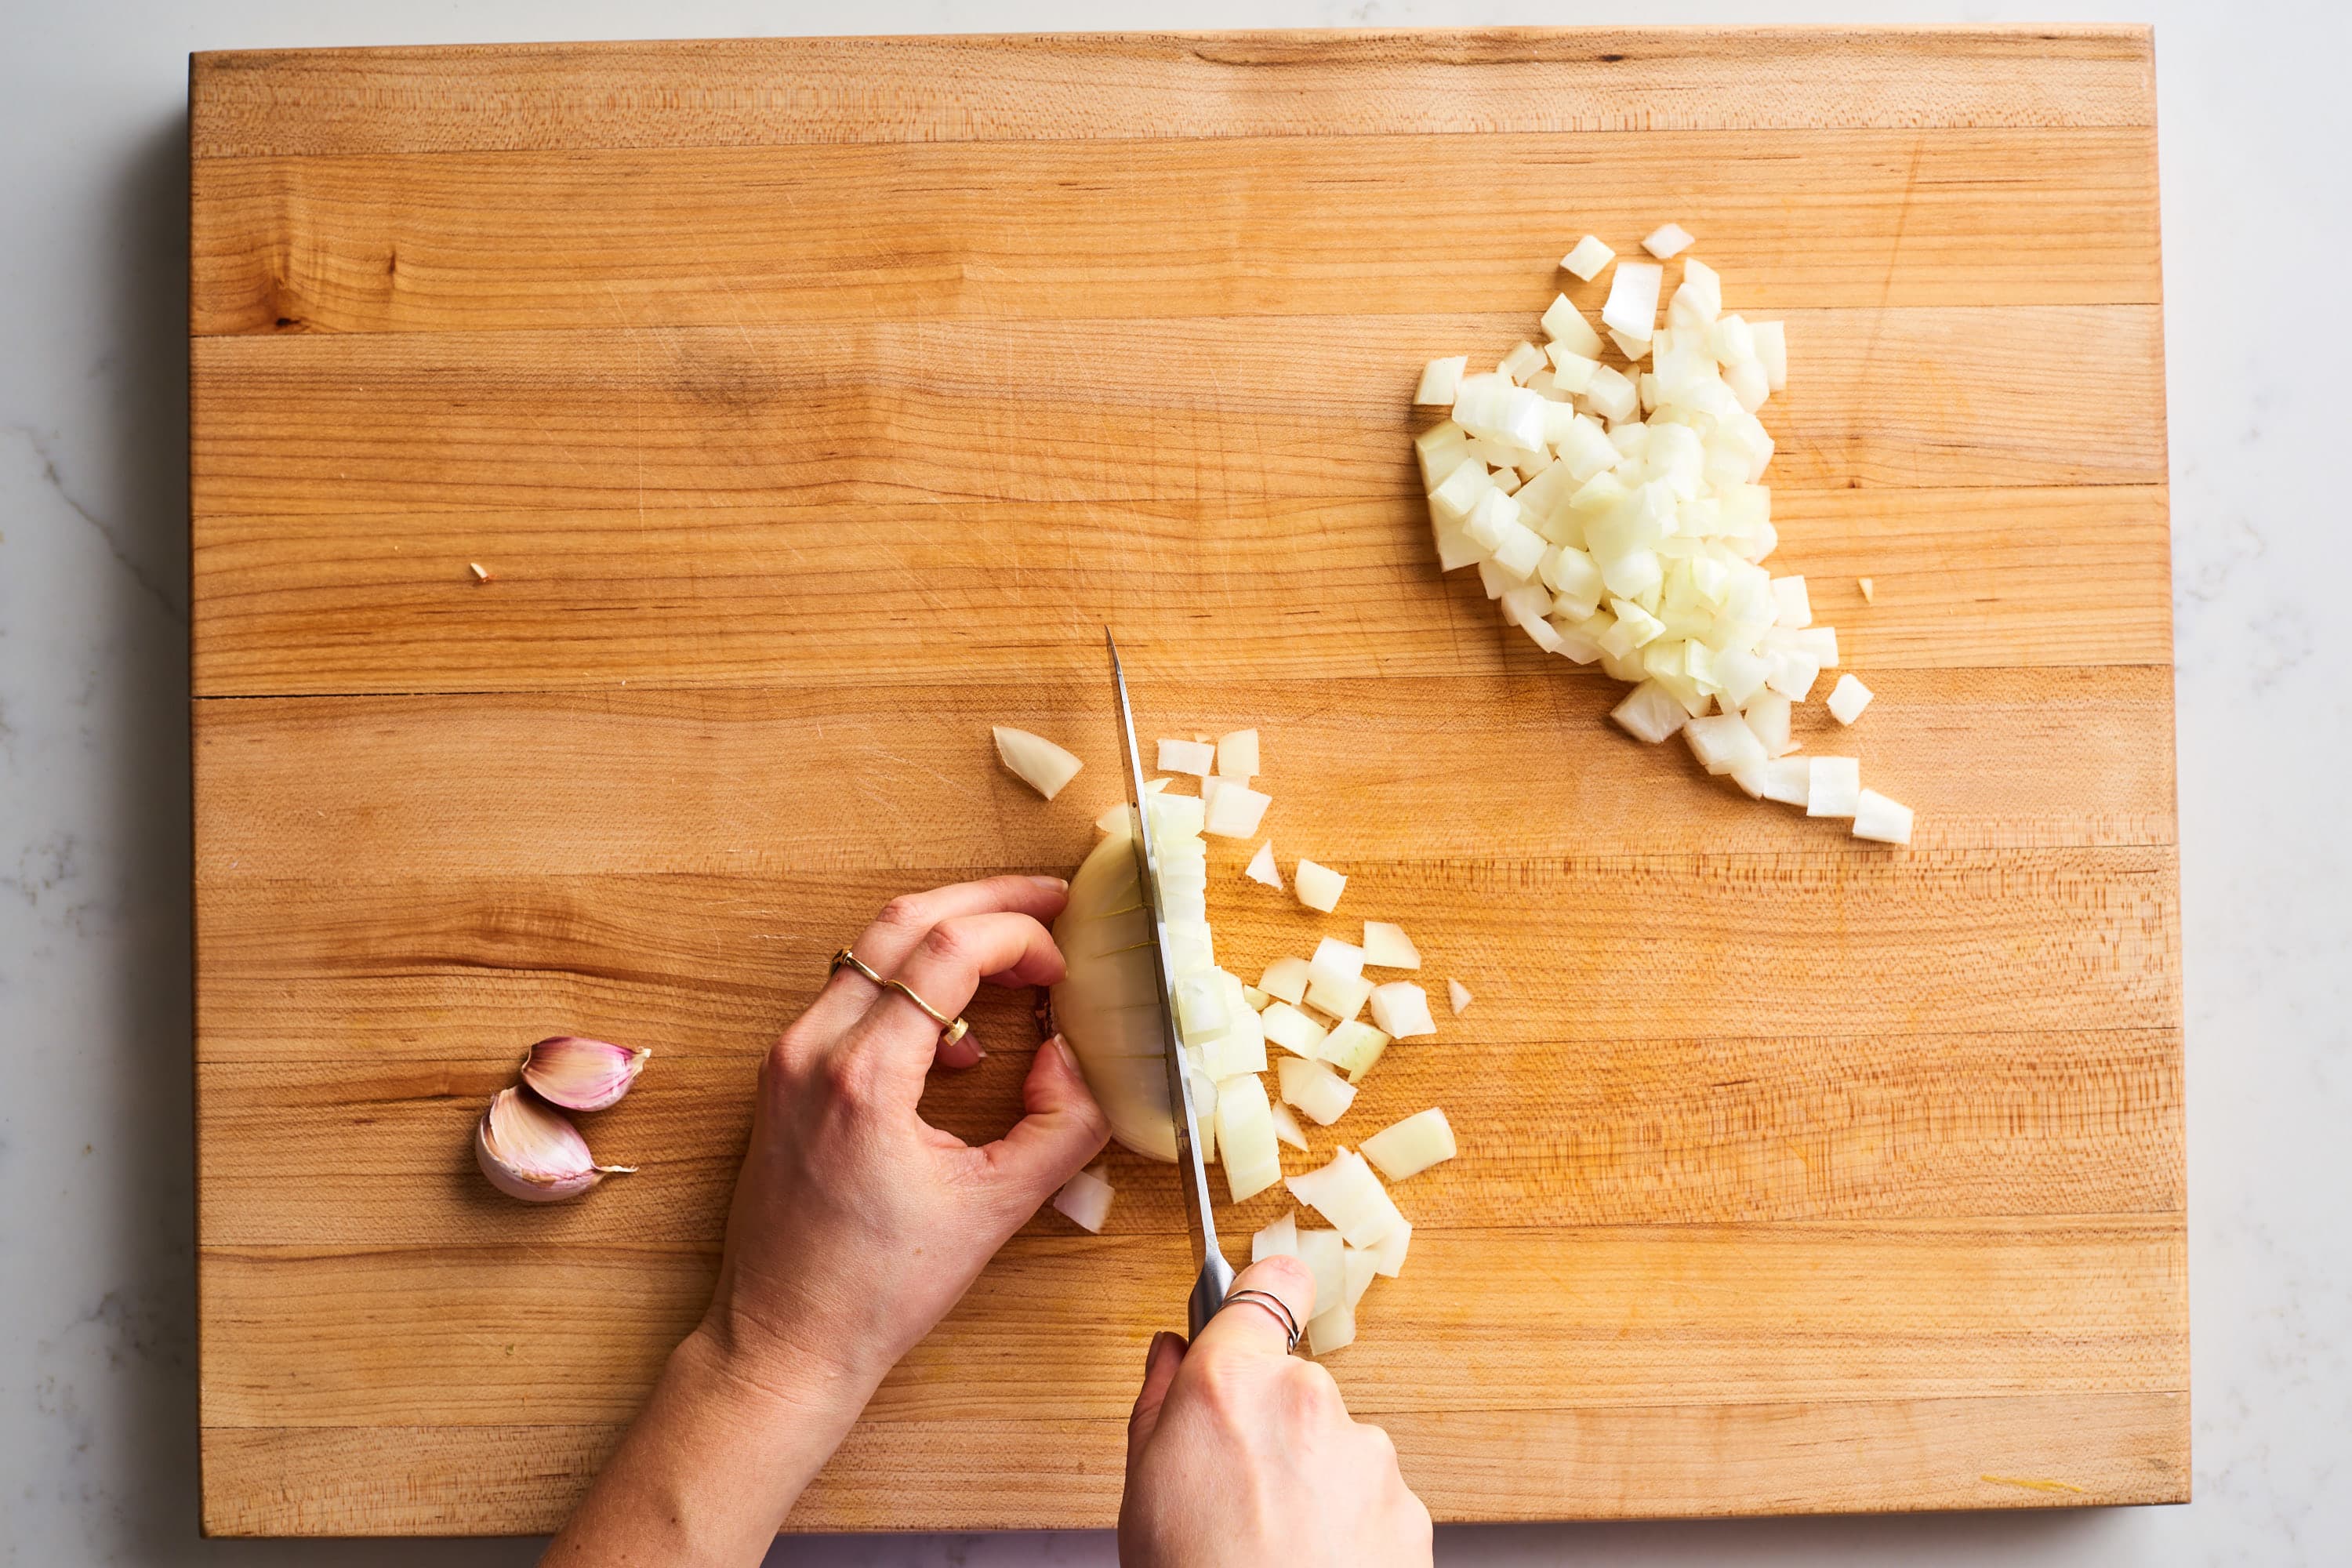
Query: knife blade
[{"x": 1216, "y": 1274}]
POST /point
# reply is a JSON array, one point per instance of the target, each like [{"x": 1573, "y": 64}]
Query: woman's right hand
[{"x": 1240, "y": 1453}]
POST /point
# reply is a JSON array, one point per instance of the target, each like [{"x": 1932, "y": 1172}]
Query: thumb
[
  {"x": 1160, "y": 1366},
  {"x": 1064, "y": 1128}
]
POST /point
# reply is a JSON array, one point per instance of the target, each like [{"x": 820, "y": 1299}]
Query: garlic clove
[
  {"x": 532, "y": 1152},
  {"x": 581, "y": 1074}
]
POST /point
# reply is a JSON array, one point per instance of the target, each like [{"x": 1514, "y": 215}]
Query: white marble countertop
[{"x": 97, "y": 1369}]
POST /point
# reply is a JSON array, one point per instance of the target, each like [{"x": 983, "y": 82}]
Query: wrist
[{"x": 761, "y": 1380}]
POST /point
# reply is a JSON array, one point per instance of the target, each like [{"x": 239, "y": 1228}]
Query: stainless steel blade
[{"x": 1216, "y": 1274}]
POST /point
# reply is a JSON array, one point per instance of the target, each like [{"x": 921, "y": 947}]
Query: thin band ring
[
  {"x": 1273, "y": 1305},
  {"x": 951, "y": 1030}
]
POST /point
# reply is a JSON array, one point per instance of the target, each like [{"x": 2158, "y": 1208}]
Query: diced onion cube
[
  {"x": 1286, "y": 1129},
  {"x": 1869, "y": 590},
  {"x": 1352, "y": 1048},
  {"x": 1279, "y": 1240},
  {"x": 1199, "y": 1007},
  {"x": 1388, "y": 1253},
  {"x": 1877, "y": 817},
  {"x": 1792, "y": 605},
  {"x": 1293, "y": 1030},
  {"x": 1649, "y": 712},
  {"x": 1315, "y": 1088},
  {"x": 1331, "y": 1331},
  {"x": 1848, "y": 698},
  {"x": 1400, "y": 1008},
  {"x": 1323, "y": 1252},
  {"x": 1836, "y": 787},
  {"x": 1035, "y": 761},
  {"x": 1633, "y": 307},
  {"x": 1772, "y": 349},
  {"x": 1387, "y": 947},
  {"x": 1458, "y": 994},
  {"x": 1522, "y": 362},
  {"x": 1789, "y": 780},
  {"x": 1438, "y": 381},
  {"x": 1343, "y": 999},
  {"x": 1237, "y": 754},
  {"x": 1319, "y": 887},
  {"x": 1236, "y": 810},
  {"x": 1411, "y": 1146},
  {"x": 1257, "y": 998},
  {"x": 1261, "y": 867},
  {"x": 1187, "y": 757},
  {"x": 1359, "y": 1264},
  {"x": 1351, "y": 1196},
  {"x": 1334, "y": 960},
  {"x": 1285, "y": 978},
  {"x": 1564, "y": 325},
  {"x": 1085, "y": 1199},
  {"x": 1246, "y": 1141},
  {"x": 1612, "y": 395},
  {"x": 1667, "y": 241},
  {"x": 1588, "y": 258},
  {"x": 1767, "y": 714},
  {"x": 1724, "y": 743},
  {"x": 1572, "y": 371}
]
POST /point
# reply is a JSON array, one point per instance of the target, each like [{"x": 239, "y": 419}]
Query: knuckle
[
  {"x": 908, "y": 912},
  {"x": 946, "y": 944}
]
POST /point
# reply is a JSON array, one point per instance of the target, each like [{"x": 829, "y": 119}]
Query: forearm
[{"x": 712, "y": 1466}]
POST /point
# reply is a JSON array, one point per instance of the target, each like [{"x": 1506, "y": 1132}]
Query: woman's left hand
[{"x": 855, "y": 1227}]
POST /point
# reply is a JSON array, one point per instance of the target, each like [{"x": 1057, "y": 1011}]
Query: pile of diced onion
[
  {"x": 1310, "y": 1009},
  {"x": 1608, "y": 488}
]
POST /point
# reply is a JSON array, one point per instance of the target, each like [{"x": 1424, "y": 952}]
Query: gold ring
[{"x": 951, "y": 1030}]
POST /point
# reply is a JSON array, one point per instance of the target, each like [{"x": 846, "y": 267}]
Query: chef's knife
[{"x": 1216, "y": 1276}]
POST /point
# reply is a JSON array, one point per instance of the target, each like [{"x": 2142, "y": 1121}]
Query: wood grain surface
[{"x": 812, "y": 403}]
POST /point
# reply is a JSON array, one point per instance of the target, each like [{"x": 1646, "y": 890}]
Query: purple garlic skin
[
  {"x": 582, "y": 1074},
  {"x": 531, "y": 1152}
]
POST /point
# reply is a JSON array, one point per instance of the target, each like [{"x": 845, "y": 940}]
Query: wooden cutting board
[{"x": 812, "y": 403}]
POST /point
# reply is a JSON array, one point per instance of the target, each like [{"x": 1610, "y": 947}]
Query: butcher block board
[{"x": 812, "y": 405}]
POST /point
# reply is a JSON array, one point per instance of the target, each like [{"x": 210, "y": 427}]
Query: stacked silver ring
[{"x": 1273, "y": 1305}]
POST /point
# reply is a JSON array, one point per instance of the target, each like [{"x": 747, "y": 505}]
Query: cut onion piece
[
  {"x": 1319, "y": 887},
  {"x": 1257, "y": 999},
  {"x": 1286, "y": 978},
  {"x": 1400, "y": 1009},
  {"x": 1388, "y": 1253},
  {"x": 1085, "y": 1199},
  {"x": 1522, "y": 362},
  {"x": 1116, "y": 818},
  {"x": 1789, "y": 780},
  {"x": 1331, "y": 1331},
  {"x": 1794, "y": 608},
  {"x": 1286, "y": 1128},
  {"x": 1237, "y": 754},
  {"x": 1245, "y": 1140},
  {"x": 1279, "y": 1240},
  {"x": 1353, "y": 1047},
  {"x": 1346, "y": 1194},
  {"x": 1633, "y": 307},
  {"x": 1324, "y": 1253},
  {"x": 1877, "y": 817},
  {"x": 1588, "y": 258},
  {"x": 1439, "y": 380},
  {"x": 1869, "y": 590},
  {"x": 1262, "y": 869},
  {"x": 1035, "y": 761},
  {"x": 1234, "y": 809},
  {"x": 1334, "y": 960},
  {"x": 1836, "y": 789},
  {"x": 1187, "y": 757},
  {"x": 1564, "y": 325},
  {"x": 1387, "y": 947},
  {"x": 1359, "y": 1265},
  {"x": 1667, "y": 241},
  {"x": 1316, "y": 1090},
  {"x": 1293, "y": 1030},
  {"x": 1343, "y": 999},
  {"x": 1724, "y": 743},
  {"x": 1771, "y": 348},
  {"x": 1848, "y": 698},
  {"x": 1459, "y": 994},
  {"x": 1650, "y": 713},
  {"x": 1410, "y": 1146}
]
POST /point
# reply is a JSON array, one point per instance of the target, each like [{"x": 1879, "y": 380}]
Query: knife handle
[{"x": 1209, "y": 1290}]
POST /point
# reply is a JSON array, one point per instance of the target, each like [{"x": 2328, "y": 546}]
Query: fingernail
[
  {"x": 1055, "y": 884},
  {"x": 1062, "y": 1048},
  {"x": 1151, "y": 1356}
]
